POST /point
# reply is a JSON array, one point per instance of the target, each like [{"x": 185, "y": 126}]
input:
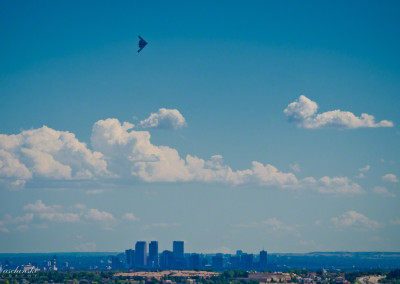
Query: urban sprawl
[{"x": 143, "y": 264}]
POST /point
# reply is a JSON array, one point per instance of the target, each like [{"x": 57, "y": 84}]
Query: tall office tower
[
  {"x": 140, "y": 254},
  {"x": 263, "y": 260},
  {"x": 153, "y": 254},
  {"x": 130, "y": 257},
  {"x": 178, "y": 249},
  {"x": 178, "y": 252}
]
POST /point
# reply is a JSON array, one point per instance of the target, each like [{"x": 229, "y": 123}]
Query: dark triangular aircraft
[{"x": 142, "y": 43}]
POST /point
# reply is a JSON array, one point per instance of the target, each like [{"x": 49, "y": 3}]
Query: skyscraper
[
  {"x": 153, "y": 254},
  {"x": 140, "y": 254},
  {"x": 263, "y": 260},
  {"x": 178, "y": 249},
  {"x": 178, "y": 253},
  {"x": 130, "y": 257}
]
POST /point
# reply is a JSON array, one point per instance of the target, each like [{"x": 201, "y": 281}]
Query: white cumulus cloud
[
  {"x": 39, "y": 206},
  {"x": 383, "y": 191},
  {"x": 51, "y": 213},
  {"x": 278, "y": 226},
  {"x": 97, "y": 215},
  {"x": 353, "y": 219},
  {"x": 303, "y": 112},
  {"x": 390, "y": 178},
  {"x": 121, "y": 153},
  {"x": 19, "y": 223},
  {"x": 164, "y": 119},
  {"x": 130, "y": 153},
  {"x": 11, "y": 167},
  {"x": 333, "y": 185},
  {"x": 22, "y": 219},
  {"x": 365, "y": 169},
  {"x": 270, "y": 176},
  {"x": 130, "y": 217},
  {"x": 60, "y": 217},
  {"x": 48, "y": 153}
]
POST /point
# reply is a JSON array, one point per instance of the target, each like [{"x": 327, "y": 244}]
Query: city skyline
[
  {"x": 238, "y": 126},
  {"x": 176, "y": 258}
]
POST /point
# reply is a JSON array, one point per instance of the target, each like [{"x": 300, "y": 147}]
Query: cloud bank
[
  {"x": 47, "y": 154},
  {"x": 355, "y": 220},
  {"x": 120, "y": 152},
  {"x": 303, "y": 112},
  {"x": 45, "y": 214}
]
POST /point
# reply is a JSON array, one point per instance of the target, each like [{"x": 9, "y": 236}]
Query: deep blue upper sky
[{"x": 230, "y": 68}]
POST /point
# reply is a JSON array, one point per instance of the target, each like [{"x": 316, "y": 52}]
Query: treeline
[
  {"x": 59, "y": 277},
  {"x": 228, "y": 276},
  {"x": 392, "y": 277},
  {"x": 88, "y": 277}
]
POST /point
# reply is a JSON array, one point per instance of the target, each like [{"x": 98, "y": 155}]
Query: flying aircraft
[{"x": 142, "y": 43}]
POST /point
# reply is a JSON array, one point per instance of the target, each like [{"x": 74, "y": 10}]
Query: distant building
[
  {"x": 54, "y": 263},
  {"x": 153, "y": 254},
  {"x": 204, "y": 262},
  {"x": 44, "y": 265},
  {"x": 140, "y": 254},
  {"x": 235, "y": 261},
  {"x": 178, "y": 249},
  {"x": 247, "y": 260},
  {"x": 194, "y": 261},
  {"x": 178, "y": 253},
  {"x": 148, "y": 258},
  {"x": 130, "y": 258},
  {"x": 217, "y": 262},
  {"x": 263, "y": 260},
  {"x": 115, "y": 262},
  {"x": 166, "y": 259}
]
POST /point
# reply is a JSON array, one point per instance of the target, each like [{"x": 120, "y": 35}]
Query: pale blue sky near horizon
[{"x": 230, "y": 68}]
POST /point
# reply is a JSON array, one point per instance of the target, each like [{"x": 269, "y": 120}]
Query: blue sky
[{"x": 239, "y": 126}]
